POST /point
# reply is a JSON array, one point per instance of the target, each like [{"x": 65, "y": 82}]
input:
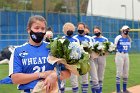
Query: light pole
[
  {"x": 78, "y": 11},
  {"x": 132, "y": 13},
  {"x": 125, "y": 12},
  {"x": 44, "y": 8}
]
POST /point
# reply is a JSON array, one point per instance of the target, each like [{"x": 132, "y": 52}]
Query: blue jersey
[
  {"x": 91, "y": 40},
  {"x": 30, "y": 59},
  {"x": 99, "y": 39},
  {"x": 82, "y": 38},
  {"x": 123, "y": 44},
  {"x": 71, "y": 39}
]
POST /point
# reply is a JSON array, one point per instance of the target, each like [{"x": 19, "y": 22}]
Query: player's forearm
[{"x": 21, "y": 78}]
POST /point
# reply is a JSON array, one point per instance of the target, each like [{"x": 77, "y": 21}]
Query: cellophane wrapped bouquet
[
  {"x": 73, "y": 55},
  {"x": 86, "y": 46},
  {"x": 103, "y": 48}
]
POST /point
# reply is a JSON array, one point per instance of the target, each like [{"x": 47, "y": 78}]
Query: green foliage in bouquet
[
  {"x": 86, "y": 46},
  {"x": 83, "y": 65},
  {"x": 109, "y": 47},
  {"x": 104, "y": 48},
  {"x": 72, "y": 52},
  {"x": 89, "y": 50},
  {"x": 55, "y": 49},
  {"x": 96, "y": 50}
]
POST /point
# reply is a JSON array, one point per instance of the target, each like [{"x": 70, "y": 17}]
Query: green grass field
[{"x": 109, "y": 80}]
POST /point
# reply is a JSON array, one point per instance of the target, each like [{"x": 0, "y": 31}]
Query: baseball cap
[{"x": 125, "y": 27}]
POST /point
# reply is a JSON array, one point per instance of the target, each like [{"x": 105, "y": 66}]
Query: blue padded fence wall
[{"x": 13, "y": 26}]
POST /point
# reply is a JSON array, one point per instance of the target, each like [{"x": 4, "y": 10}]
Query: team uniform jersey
[
  {"x": 91, "y": 40},
  {"x": 99, "y": 39},
  {"x": 82, "y": 38},
  {"x": 123, "y": 44},
  {"x": 89, "y": 37},
  {"x": 71, "y": 39},
  {"x": 30, "y": 59}
]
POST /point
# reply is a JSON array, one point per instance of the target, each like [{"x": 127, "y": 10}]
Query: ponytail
[{"x": 130, "y": 40}]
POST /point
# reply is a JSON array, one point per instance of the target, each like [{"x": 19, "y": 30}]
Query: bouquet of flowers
[
  {"x": 109, "y": 47},
  {"x": 87, "y": 47},
  {"x": 103, "y": 48},
  {"x": 71, "y": 54}
]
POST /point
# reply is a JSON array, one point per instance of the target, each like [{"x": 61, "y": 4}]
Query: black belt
[{"x": 27, "y": 90}]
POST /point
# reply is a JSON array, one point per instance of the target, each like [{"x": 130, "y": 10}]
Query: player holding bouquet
[
  {"x": 70, "y": 53},
  {"x": 29, "y": 64},
  {"x": 85, "y": 41},
  {"x": 100, "y": 47}
]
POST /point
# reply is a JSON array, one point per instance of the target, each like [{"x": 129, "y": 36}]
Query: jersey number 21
[{"x": 39, "y": 69}]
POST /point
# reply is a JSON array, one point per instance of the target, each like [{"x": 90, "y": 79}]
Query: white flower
[
  {"x": 101, "y": 46},
  {"x": 97, "y": 42},
  {"x": 94, "y": 44},
  {"x": 61, "y": 40},
  {"x": 112, "y": 47},
  {"x": 74, "y": 55},
  {"x": 85, "y": 44},
  {"x": 76, "y": 51}
]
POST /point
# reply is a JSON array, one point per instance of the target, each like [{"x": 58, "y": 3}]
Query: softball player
[
  {"x": 29, "y": 61},
  {"x": 86, "y": 31},
  {"x": 68, "y": 30},
  {"x": 100, "y": 62},
  {"x": 81, "y": 37},
  {"x": 48, "y": 35},
  {"x": 93, "y": 72},
  {"x": 123, "y": 44}
]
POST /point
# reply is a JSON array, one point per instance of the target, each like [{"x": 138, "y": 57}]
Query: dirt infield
[{"x": 134, "y": 89}]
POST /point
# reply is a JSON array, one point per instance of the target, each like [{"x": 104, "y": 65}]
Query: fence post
[
  {"x": 78, "y": 11},
  {"x": 44, "y": 8}
]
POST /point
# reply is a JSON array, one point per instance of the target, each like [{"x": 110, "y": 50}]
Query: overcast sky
[{"x": 112, "y": 8}]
